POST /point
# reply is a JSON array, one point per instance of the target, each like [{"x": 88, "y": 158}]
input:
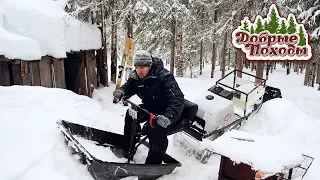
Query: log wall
[
  {"x": 4, "y": 73},
  {"x": 50, "y": 72}
]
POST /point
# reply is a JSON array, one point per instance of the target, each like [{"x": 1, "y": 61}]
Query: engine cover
[{"x": 215, "y": 110}]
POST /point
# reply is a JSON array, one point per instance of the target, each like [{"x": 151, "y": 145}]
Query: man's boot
[{"x": 157, "y": 152}]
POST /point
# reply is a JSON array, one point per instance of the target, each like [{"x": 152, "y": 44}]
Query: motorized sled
[{"x": 224, "y": 106}]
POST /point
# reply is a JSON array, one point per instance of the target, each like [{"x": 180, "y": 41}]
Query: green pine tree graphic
[
  {"x": 252, "y": 30},
  {"x": 292, "y": 28},
  {"x": 274, "y": 21},
  {"x": 265, "y": 24},
  {"x": 283, "y": 27},
  {"x": 245, "y": 26},
  {"x": 302, "y": 37},
  {"x": 259, "y": 26}
]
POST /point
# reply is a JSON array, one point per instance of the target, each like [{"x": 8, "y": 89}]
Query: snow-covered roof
[
  {"x": 14, "y": 46},
  {"x": 46, "y": 23},
  {"x": 266, "y": 154}
]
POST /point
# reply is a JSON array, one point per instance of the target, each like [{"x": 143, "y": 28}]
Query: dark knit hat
[{"x": 142, "y": 58}]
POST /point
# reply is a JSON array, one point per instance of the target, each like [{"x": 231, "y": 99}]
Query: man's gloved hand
[
  {"x": 163, "y": 121},
  {"x": 117, "y": 95}
]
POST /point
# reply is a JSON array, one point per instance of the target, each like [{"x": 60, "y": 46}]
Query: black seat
[
  {"x": 188, "y": 116},
  {"x": 190, "y": 110},
  {"x": 271, "y": 93}
]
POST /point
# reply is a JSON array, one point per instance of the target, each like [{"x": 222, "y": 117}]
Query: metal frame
[{"x": 234, "y": 72}]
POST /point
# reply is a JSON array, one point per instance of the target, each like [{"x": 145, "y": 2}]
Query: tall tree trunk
[
  {"x": 240, "y": 54},
  {"x": 229, "y": 59},
  {"x": 173, "y": 44},
  {"x": 201, "y": 61},
  {"x": 268, "y": 69},
  {"x": 235, "y": 59},
  {"x": 314, "y": 68},
  {"x": 223, "y": 62},
  {"x": 129, "y": 26},
  {"x": 113, "y": 44},
  {"x": 246, "y": 63},
  {"x": 307, "y": 74},
  {"x": 102, "y": 53},
  {"x": 318, "y": 73},
  {"x": 259, "y": 72},
  {"x": 213, "y": 59},
  {"x": 179, "y": 49},
  {"x": 302, "y": 66},
  {"x": 130, "y": 35},
  {"x": 239, "y": 63},
  {"x": 288, "y": 68},
  {"x": 296, "y": 67},
  {"x": 201, "y": 44}
]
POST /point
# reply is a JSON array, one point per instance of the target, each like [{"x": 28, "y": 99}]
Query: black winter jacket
[{"x": 159, "y": 91}]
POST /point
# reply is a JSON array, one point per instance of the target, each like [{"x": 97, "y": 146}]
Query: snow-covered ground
[{"x": 33, "y": 148}]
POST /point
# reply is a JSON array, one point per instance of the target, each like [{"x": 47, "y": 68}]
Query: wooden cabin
[
  {"x": 77, "y": 46},
  {"x": 76, "y": 72}
]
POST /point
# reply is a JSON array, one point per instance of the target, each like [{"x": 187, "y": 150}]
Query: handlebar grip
[{"x": 152, "y": 117}]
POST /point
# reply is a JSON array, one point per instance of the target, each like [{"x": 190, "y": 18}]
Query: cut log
[
  {"x": 25, "y": 73},
  {"x": 4, "y": 74},
  {"x": 34, "y": 73},
  {"x": 16, "y": 72},
  {"x": 91, "y": 71},
  {"x": 46, "y": 71},
  {"x": 59, "y": 74},
  {"x": 82, "y": 83}
]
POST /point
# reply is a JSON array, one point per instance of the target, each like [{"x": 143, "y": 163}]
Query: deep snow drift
[
  {"x": 277, "y": 146},
  {"x": 32, "y": 147}
]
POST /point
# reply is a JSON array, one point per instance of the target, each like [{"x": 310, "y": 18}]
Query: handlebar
[
  {"x": 151, "y": 115},
  {"x": 135, "y": 105}
]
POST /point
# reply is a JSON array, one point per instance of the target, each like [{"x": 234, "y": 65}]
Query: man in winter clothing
[{"x": 160, "y": 95}]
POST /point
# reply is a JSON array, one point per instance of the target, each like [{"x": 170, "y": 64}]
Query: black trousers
[{"x": 158, "y": 141}]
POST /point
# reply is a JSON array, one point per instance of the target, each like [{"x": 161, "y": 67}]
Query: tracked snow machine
[{"x": 224, "y": 106}]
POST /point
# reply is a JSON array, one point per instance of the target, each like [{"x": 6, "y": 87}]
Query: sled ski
[{"x": 103, "y": 170}]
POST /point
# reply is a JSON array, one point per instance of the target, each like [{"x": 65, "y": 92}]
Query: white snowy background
[{"x": 32, "y": 147}]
